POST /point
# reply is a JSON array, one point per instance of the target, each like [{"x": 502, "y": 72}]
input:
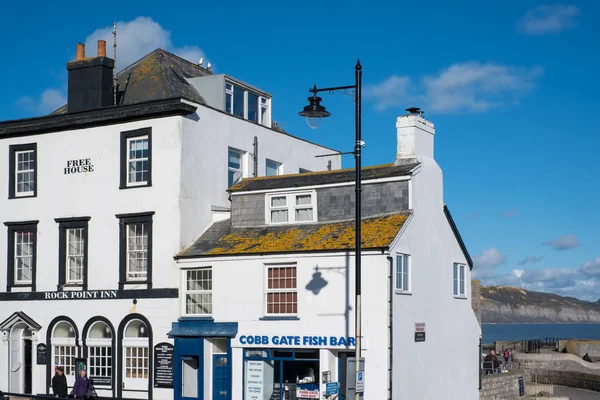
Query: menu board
[{"x": 163, "y": 365}]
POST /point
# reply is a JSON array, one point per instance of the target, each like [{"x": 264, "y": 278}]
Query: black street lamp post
[{"x": 314, "y": 112}]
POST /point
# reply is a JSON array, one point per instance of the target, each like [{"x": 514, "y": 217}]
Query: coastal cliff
[{"x": 505, "y": 304}]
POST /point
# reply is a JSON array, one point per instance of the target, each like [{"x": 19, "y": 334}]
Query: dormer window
[
  {"x": 247, "y": 104},
  {"x": 291, "y": 208}
]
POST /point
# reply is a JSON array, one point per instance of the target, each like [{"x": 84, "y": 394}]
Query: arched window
[
  {"x": 64, "y": 350},
  {"x": 100, "y": 354},
  {"x": 135, "y": 355}
]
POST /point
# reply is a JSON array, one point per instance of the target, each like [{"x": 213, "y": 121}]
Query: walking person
[
  {"x": 506, "y": 356},
  {"x": 83, "y": 388},
  {"x": 59, "y": 383}
]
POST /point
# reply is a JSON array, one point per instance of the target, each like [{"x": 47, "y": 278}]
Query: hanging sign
[
  {"x": 41, "y": 354},
  {"x": 163, "y": 365}
]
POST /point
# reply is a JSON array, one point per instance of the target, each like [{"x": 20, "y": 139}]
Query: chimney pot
[
  {"x": 80, "y": 52},
  {"x": 101, "y": 48}
]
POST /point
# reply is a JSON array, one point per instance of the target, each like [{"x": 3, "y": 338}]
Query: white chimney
[{"x": 415, "y": 137}]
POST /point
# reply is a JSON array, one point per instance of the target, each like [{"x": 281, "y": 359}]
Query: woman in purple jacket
[{"x": 82, "y": 386}]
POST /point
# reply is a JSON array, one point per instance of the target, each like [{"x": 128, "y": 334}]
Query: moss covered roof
[{"x": 222, "y": 239}]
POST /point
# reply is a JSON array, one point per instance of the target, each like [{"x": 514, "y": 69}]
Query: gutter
[{"x": 391, "y": 328}]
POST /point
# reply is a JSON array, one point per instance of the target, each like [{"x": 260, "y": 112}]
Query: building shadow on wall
[{"x": 318, "y": 283}]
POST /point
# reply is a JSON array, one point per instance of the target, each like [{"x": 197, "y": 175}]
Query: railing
[{"x": 7, "y": 395}]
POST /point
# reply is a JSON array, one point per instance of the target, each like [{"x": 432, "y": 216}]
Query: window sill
[
  {"x": 22, "y": 197},
  {"x": 190, "y": 317},
  {"x": 403, "y": 293},
  {"x": 121, "y": 187},
  {"x": 460, "y": 297},
  {"x": 279, "y": 318}
]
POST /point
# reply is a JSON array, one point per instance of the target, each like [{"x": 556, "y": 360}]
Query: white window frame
[
  {"x": 80, "y": 256},
  {"x": 25, "y": 171},
  {"x": 291, "y": 206},
  {"x": 59, "y": 353},
  {"x": 264, "y": 102},
  {"x": 137, "y": 343},
  {"x": 241, "y": 170},
  {"x": 128, "y": 251},
  {"x": 279, "y": 167},
  {"x": 459, "y": 287},
  {"x": 197, "y": 292},
  {"x": 279, "y": 290},
  {"x": 402, "y": 281},
  {"x": 130, "y": 160},
  {"x": 31, "y": 241},
  {"x": 99, "y": 343}
]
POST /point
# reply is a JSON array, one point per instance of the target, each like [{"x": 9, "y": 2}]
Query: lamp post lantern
[{"x": 314, "y": 112}]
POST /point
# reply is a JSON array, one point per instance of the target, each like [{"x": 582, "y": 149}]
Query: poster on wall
[
  {"x": 163, "y": 365},
  {"x": 80, "y": 364},
  {"x": 259, "y": 380},
  {"x": 41, "y": 354}
]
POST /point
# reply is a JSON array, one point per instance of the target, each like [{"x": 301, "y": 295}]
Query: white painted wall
[
  {"x": 207, "y": 136},
  {"x": 97, "y": 194},
  {"x": 241, "y": 299},
  {"x": 189, "y": 174},
  {"x": 445, "y": 365}
]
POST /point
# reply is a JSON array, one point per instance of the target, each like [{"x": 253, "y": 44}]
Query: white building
[
  {"x": 98, "y": 200},
  {"x": 267, "y": 297}
]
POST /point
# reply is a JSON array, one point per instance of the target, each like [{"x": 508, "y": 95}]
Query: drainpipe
[
  {"x": 479, "y": 361},
  {"x": 255, "y": 156},
  {"x": 391, "y": 327}
]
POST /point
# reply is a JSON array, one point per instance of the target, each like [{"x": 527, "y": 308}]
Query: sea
[{"x": 493, "y": 332}]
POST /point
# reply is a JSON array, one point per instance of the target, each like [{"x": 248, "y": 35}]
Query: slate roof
[
  {"x": 157, "y": 76},
  {"x": 321, "y": 177},
  {"x": 221, "y": 239}
]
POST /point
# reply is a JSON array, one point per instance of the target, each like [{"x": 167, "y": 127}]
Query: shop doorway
[
  {"x": 28, "y": 364},
  {"x": 343, "y": 371},
  {"x": 221, "y": 378},
  {"x": 281, "y": 374}
]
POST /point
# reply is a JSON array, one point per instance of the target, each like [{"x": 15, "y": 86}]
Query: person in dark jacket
[
  {"x": 59, "y": 383},
  {"x": 587, "y": 358},
  {"x": 492, "y": 358},
  {"x": 82, "y": 386}
]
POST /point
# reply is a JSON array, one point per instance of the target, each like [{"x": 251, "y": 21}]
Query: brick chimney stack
[
  {"x": 101, "y": 48},
  {"x": 90, "y": 80}
]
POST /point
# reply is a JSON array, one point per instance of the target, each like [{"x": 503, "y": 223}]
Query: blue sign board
[{"x": 332, "y": 388}]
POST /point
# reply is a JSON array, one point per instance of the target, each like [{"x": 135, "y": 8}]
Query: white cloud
[
  {"x": 582, "y": 282},
  {"x": 391, "y": 92},
  {"x": 530, "y": 260},
  {"x": 49, "y": 100},
  {"x": 477, "y": 87},
  {"x": 489, "y": 259},
  {"x": 137, "y": 38},
  {"x": 464, "y": 87},
  {"x": 563, "y": 243},
  {"x": 548, "y": 19}
]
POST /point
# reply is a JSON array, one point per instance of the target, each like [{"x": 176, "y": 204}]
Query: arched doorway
[
  {"x": 21, "y": 359},
  {"x": 99, "y": 344},
  {"x": 136, "y": 356},
  {"x": 63, "y": 341}
]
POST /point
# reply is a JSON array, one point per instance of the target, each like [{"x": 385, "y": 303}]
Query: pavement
[{"x": 576, "y": 394}]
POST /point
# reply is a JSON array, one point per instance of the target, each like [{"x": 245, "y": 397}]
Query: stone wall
[
  {"x": 554, "y": 361},
  {"x": 572, "y": 379},
  {"x": 500, "y": 387},
  {"x": 476, "y": 299},
  {"x": 580, "y": 347}
]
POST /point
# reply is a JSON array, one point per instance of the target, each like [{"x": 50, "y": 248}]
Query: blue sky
[{"x": 510, "y": 85}]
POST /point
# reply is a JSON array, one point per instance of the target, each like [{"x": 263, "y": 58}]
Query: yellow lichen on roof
[{"x": 376, "y": 233}]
